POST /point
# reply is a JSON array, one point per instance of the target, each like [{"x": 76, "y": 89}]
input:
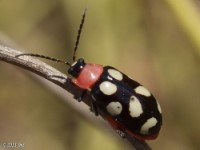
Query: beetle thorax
[{"x": 89, "y": 74}]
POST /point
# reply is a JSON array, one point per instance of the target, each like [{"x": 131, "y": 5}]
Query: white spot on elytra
[
  {"x": 115, "y": 74},
  {"x": 151, "y": 122},
  {"x": 135, "y": 107},
  {"x": 108, "y": 88},
  {"x": 159, "y": 108},
  {"x": 114, "y": 108},
  {"x": 142, "y": 91}
]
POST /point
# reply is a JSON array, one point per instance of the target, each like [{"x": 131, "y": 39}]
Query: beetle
[{"x": 127, "y": 105}]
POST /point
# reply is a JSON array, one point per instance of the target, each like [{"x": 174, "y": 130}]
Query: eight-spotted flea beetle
[{"x": 128, "y": 106}]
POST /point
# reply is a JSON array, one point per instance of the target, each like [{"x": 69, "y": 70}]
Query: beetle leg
[
  {"x": 117, "y": 127},
  {"x": 94, "y": 108},
  {"x": 80, "y": 96},
  {"x": 121, "y": 133}
]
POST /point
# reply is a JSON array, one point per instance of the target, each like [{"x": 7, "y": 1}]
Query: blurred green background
[{"x": 155, "y": 42}]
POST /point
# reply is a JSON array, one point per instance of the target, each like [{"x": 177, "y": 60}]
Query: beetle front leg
[
  {"x": 81, "y": 96},
  {"x": 94, "y": 108}
]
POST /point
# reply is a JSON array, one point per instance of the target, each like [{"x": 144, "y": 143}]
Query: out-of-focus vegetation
[{"x": 154, "y": 42}]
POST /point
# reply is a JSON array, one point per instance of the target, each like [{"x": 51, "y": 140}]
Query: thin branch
[{"x": 42, "y": 69}]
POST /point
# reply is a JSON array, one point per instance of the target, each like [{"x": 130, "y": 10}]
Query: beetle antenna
[
  {"x": 45, "y": 57},
  {"x": 79, "y": 34},
  {"x": 75, "y": 47}
]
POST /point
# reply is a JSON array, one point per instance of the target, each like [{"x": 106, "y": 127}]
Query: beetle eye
[{"x": 76, "y": 67}]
